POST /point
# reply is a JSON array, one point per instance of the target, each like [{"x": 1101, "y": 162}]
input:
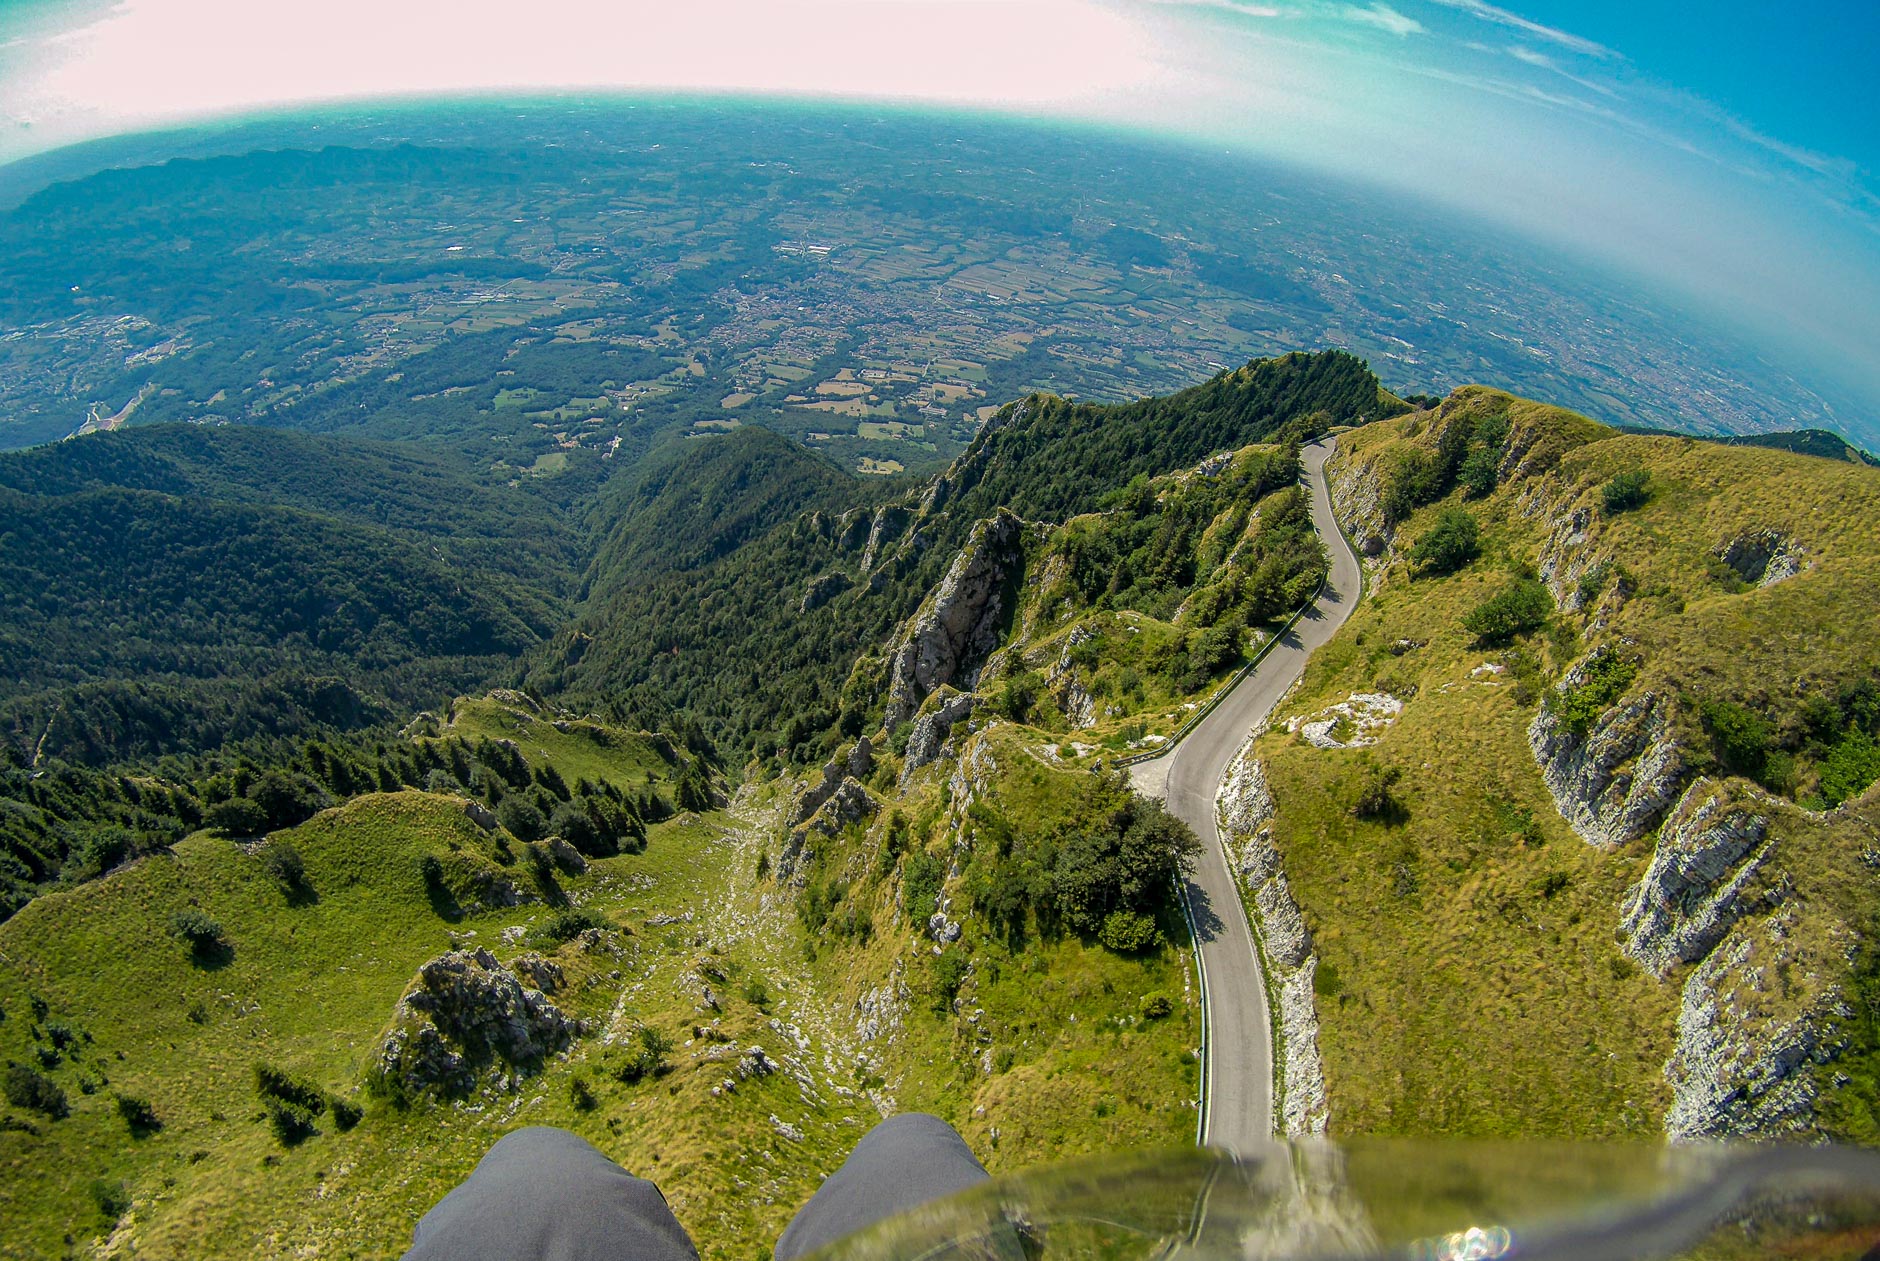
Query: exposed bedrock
[
  {"x": 1710, "y": 868},
  {"x": 1616, "y": 782},
  {"x": 960, "y": 623}
]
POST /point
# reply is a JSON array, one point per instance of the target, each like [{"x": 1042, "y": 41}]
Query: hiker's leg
[
  {"x": 542, "y": 1194},
  {"x": 904, "y": 1162}
]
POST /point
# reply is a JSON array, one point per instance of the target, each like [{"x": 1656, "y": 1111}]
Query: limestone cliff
[
  {"x": 961, "y": 623},
  {"x": 1244, "y": 809},
  {"x": 1616, "y": 782}
]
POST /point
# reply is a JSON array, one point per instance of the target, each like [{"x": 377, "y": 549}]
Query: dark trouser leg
[
  {"x": 904, "y": 1162},
  {"x": 544, "y": 1195}
]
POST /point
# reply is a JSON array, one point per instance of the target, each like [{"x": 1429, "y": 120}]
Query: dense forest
[
  {"x": 189, "y": 603},
  {"x": 712, "y": 594},
  {"x": 173, "y": 588}
]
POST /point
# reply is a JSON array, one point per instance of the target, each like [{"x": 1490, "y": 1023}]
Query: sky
[{"x": 1726, "y": 153}]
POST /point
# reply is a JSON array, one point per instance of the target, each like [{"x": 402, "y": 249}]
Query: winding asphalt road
[{"x": 1237, "y": 1090}]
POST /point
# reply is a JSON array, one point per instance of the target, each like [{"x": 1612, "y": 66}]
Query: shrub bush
[
  {"x": 643, "y": 1057},
  {"x": 566, "y": 925},
  {"x": 1521, "y": 610},
  {"x": 1448, "y": 545},
  {"x": 202, "y": 934},
  {"x": 285, "y": 866},
  {"x": 949, "y": 973},
  {"x": 238, "y": 816},
  {"x": 1604, "y": 680},
  {"x": 112, "y": 1198},
  {"x": 292, "y": 1106},
  {"x": 1375, "y": 797},
  {"x": 1625, "y": 491},
  {"x": 1129, "y": 932},
  {"x": 1155, "y": 1005},
  {"x": 28, "y": 1088},
  {"x": 1740, "y": 737},
  {"x": 138, "y": 1115},
  {"x": 921, "y": 877},
  {"x": 346, "y": 1113},
  {"x": 1481, "y": 471},
  {"x": 520, "y": 817}
]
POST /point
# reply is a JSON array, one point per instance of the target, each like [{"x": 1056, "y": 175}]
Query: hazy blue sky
[{"x": 1728, "y": 150}]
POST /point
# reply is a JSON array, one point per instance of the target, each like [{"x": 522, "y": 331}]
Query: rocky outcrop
[
  {"x": 836, "y": 773},
  {"x": 828, "y": 806},
  {"x": 1244, "y": 809},
  {"x": 886, "y": 526},
  {"x": 1067, "y": 690},
  {"x": 464, "y": 1013},
  {"x": 1617, "y": 781},
  {"x": 1703, "y": 878},
  {"x": 960, "y": 623},
  {"x": 1353, "y": 723},
  {"x": 566, "y": 857},
  {"x": 1565, "y": 557},
  {"x": 1358, "y": 503},
  {"x": 822, "y": 589},
  {"x": 539, "y": 972},
  {"x": 1763, "y": 558},
  {"x": 930, "y": 731},
  {"x": 1744, "y": 1064}
]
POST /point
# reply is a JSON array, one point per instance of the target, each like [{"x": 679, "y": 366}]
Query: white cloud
[
  {"x": 1384, "y": 18},
  {"x": 1502, "y": 17},
  {"x": 1542, "y": 61},
  {"x": 146, "y": 61}
]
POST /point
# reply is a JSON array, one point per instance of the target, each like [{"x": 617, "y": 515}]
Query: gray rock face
[
  {"x": 539, "y": 973},
  {"x": 959, "y": 625},
  {"x": 931, "y": 730},
  {"x": 1073, "y": 699},
  {"x": 822, "y": 589},
  {"x": 755, "y": 1063},
  {"x": 827, "y": 807},
  {"x": 1358, "y": 503},
  {"x": 1244, "y": 810},
  {"x": 1737, "y": 1070},
  {"x": 565, "y": 856},
  {"x": 1763, "y": 557},
  {"x": 1615, "y": 783},
  {"x": 1565, "y": 557},
  {"x": 1710, "y": 851},
  {"x": 887, "y": 525},
  {"x": 480, "y": 814},
  {"x": 464, "y": 1012},
  {"x": 855, "y": 763}
]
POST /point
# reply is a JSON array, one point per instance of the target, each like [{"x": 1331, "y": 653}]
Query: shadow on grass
[
  {"x": 212, "y": 956},
  {"x": 300, "y": 893},
  {"x": 444, "y": 903}
]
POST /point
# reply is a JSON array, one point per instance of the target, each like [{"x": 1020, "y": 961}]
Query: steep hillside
[
  {"x": 754, "y": 641},
  {"x": 173, "y": 588},
  {"x": 1574, "y": 804},
  {"x": 961, "y": 913}
]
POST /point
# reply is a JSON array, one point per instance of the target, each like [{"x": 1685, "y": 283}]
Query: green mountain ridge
[{"x": 909, "y": 915}]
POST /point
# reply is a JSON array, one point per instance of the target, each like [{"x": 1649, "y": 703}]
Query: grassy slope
[
  {"x": 312, "y": 987},
  {"x": 1045, "y": 1054},
  {"x": 1495, "y": 1000}
]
